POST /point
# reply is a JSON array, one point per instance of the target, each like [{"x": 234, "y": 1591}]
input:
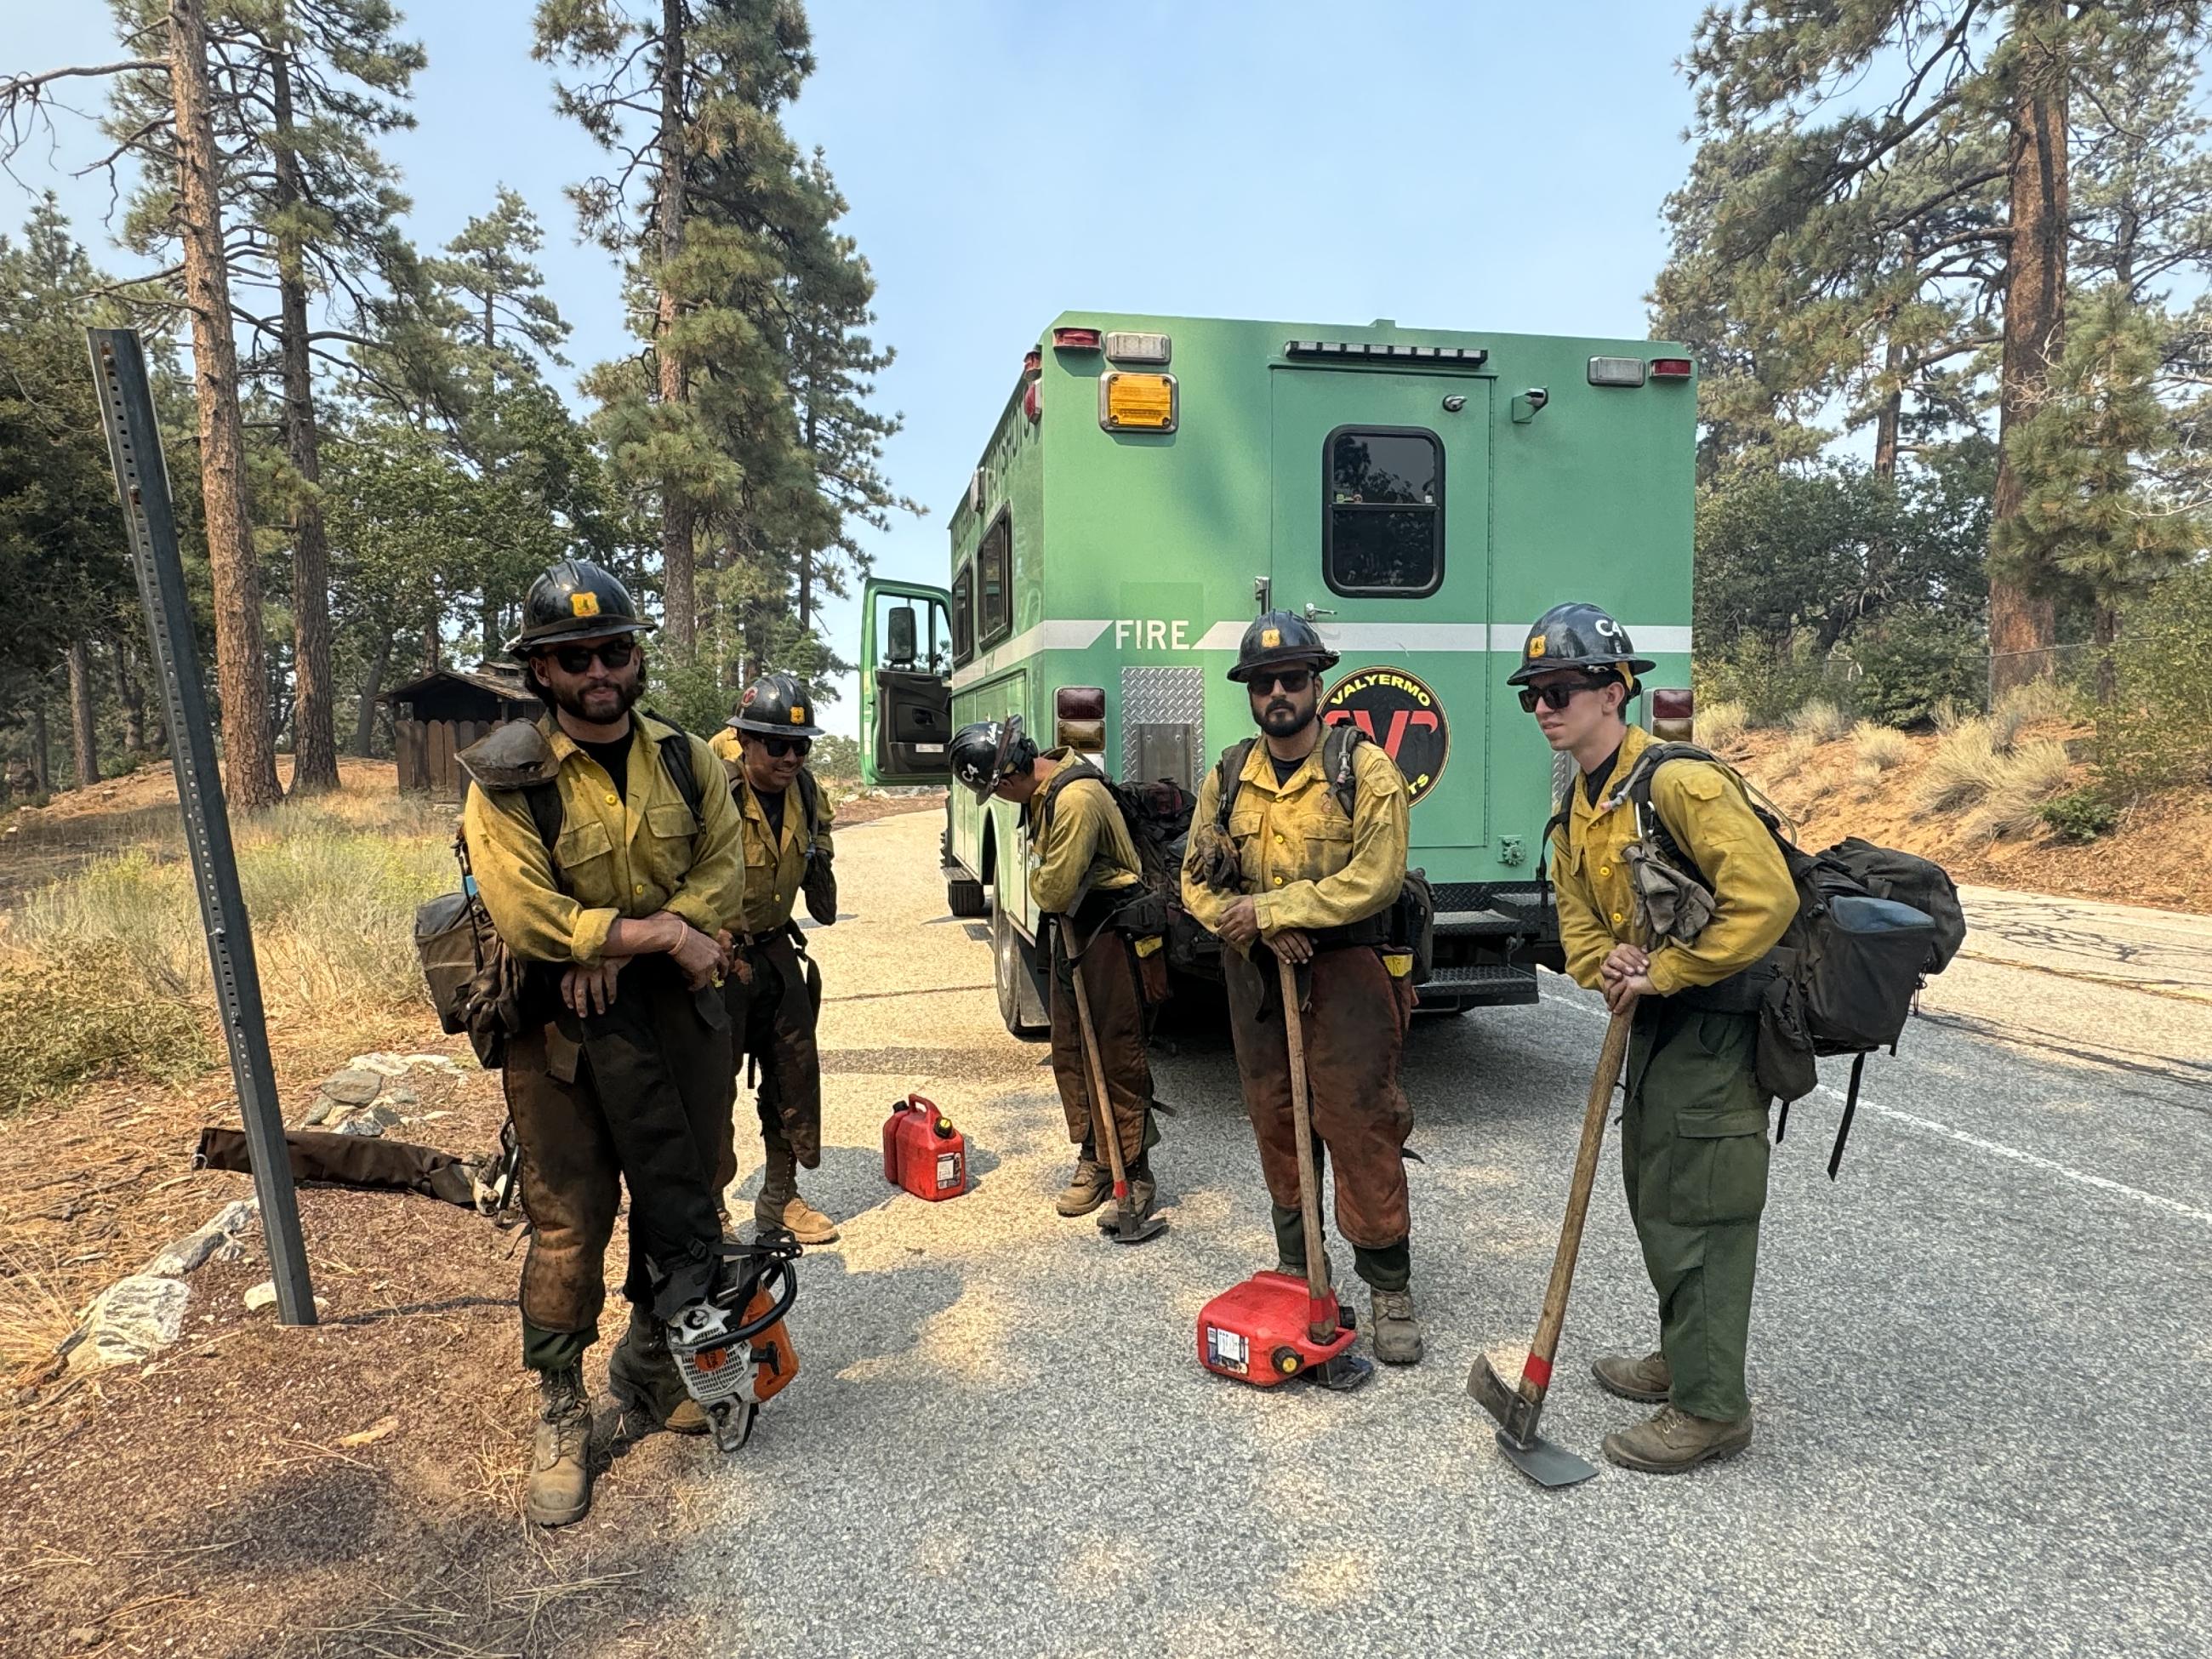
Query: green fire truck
[{"x": 1421, "y": 496}]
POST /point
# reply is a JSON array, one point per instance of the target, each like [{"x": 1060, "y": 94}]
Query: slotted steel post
[{"x": 142, "y": 481}]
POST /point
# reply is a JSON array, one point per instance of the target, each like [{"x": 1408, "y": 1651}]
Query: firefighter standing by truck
[
  {"x": 1088, "y": 880},
  {"x": 607, "y": 869},
  {"x": 1693, "y": 1146},
  {"x": 775, "y": 988},
  {"x": 1287, "y": 871}
]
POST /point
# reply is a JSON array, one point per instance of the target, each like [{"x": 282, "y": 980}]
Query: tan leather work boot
[
  {"x": 781, "y": 1209},
  {"x": 1394, "y": 1327},
  {"x": 641, "y": 1374},
  {"x": 1673, "y": 1441},
  {"x": 1091, "y": 1185},
  {"x": 1647, "y": 1379},
  {"x": 560, "y": 1487}
]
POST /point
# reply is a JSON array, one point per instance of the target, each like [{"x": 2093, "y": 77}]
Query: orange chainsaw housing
[
  {"x": 923, "y": 1152},
  {"x": 776, "y": 1362},
  {"x": 1258, "y": 1332}
]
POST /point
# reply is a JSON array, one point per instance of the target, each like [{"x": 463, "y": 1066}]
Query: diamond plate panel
[{"x": 1163, "y": 697}]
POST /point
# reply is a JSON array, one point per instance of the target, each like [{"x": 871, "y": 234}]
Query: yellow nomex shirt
[
  {"x": 615, "y": 858},
  {"x": 1086, "y": 847},
  {"x": 1706, "y": 813},
  {"x": 1307, "y": 865}
]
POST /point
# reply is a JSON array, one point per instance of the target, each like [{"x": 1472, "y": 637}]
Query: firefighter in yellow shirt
[
  {"x": 1693, "y": 1146},
  {"x": 1283, "y": 867},
  {"x": 1088, "y": 880},
  {"x": 605, "y": 852},
  {"x": 775, "y": 995}
]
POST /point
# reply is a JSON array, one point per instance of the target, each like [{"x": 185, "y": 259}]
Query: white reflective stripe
[
  {"x": 1059, "y": 635},
  {"x": 1222, "y": 637},
  {"x": 1439, "y": 636}
]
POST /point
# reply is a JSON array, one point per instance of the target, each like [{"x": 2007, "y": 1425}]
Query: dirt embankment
[{"x": 2159, "y": 852}]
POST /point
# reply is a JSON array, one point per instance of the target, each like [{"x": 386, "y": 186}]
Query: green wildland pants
[{"x": 1694, "y": 1157}]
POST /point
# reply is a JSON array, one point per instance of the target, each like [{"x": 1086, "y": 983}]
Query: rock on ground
[{"x": 133, "y": 1320}]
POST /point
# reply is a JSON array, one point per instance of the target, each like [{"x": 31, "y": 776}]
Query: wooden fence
[{"x": 427, "y": 752}]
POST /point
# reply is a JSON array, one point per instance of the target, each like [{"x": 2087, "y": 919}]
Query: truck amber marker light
[{"x": 1137, "y": 402}]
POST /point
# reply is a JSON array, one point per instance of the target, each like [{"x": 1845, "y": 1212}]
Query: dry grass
[
  {"x": 2026, "y": 777},
  {"x": 105, "y": 971},
  {"x": 1791, "y": 758},
  {"x": 1721, "y": 727},
  {"x": 1964, "y": 767},
  {"x": 1881, "y": 748},
  {"x": 1948, "y": 717},
  {"x": 2024, "y": 706},
  {"x": 1820, "y": 720}
]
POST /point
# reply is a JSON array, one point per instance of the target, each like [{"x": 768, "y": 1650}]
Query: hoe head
[
  {"x": 1124, "y": 1225},
  {"x": 1542, "y": 1462}
]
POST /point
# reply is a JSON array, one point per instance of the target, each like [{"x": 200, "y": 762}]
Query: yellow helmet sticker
[
  {"x": 1270, "y": 638},
  {"x": 1536, "y": 645},
  {"x": 798, "y": 714},
  {"x": 583, "y": 605}
]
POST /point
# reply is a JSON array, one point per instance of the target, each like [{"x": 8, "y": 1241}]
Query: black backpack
[
  {"x": 1410, "y": 923},
  {"x": 1158, "y": 817},
  {"x": 1872, "y": 923}
]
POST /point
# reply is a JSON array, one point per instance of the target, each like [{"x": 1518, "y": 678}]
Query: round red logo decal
[{"x": 1402, "y": 713}]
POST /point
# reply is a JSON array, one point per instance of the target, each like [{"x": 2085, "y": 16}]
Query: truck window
[
  {"x": 995, "y": 607},
  {"x": 1383, "y": 526},
  {"x": 963, "y": 615}
]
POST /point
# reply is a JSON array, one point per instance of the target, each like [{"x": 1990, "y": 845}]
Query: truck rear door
[
  {"x": 1381, "y": 535},
  {"x": 906, "y": 683}
]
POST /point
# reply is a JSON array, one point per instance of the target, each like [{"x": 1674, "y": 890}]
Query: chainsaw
[{"x": 731, "y": 1346}]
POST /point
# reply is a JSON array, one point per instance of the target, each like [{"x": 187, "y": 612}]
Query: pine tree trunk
[
  {"x": 364, "y": 719},
  {"x": 132, "y": 700},
  {"x": 84, "y": 729},
  {"x": 432, "y": 646},
  {"x": 42, "y": 771},
  {"x": 1891, "y": 415},
  {"x": 2023, "y": 624},
  {"x": 677, "y": 554},
  {"x": 249, "y": 754},
  {"x": 488, "y": 619},
  {"x": 314, "y": 735},
  {"x": 2105, "y": 629}
]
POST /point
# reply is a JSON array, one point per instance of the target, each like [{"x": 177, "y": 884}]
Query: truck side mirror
[{"x": 902, "y": 634}]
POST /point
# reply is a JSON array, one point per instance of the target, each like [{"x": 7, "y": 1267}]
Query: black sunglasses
[
  {"x": 779, "y": 747},
  {"x": 1558, "y": 695},
  {"x": 1292, "y": 680},
  {"x": 577, "y": 658}
]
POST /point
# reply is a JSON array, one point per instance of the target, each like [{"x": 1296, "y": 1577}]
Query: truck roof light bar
[{"x": 1370, "y": 350}]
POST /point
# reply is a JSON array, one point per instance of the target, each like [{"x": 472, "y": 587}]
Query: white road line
[{"x": 1928, "y": 1125}]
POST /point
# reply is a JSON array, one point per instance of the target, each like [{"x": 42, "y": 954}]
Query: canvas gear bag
[
  {"x": 1872, "y": 923},
  {"x": 1408, "y": 925},
  {"x": 476, "y": 985}
]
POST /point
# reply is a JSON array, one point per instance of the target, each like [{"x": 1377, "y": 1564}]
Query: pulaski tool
[
  {"x": 1129, "y": 1228},
  {"x": 1274, "y": 1326},
  {"x": 1517, "y": 1406}
]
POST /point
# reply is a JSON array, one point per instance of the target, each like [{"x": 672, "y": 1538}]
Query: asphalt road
[{"x": 1981, "y": 1360}]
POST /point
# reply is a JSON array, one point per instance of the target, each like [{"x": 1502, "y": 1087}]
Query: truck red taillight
[
  {"x": 1079, "y": 718},
  {"x": 1075, "y": 339},
  {"x": 1674, "y": 714},
  {"x": 1670, "y": 369},
  {"x": 1033, "y": 403},
  {"x": 1032, "y": 360}
]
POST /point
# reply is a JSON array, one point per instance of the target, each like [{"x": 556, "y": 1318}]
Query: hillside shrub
[
  {"x": 2156, "y": 732},
  {"x": 1910, "y": 660}
]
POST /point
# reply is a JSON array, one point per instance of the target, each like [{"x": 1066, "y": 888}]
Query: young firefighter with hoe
[
  {"x": 774, "y": 989},
  {"x": 607, "y": 870},
  {"x": 1088, "y": 880},
  {"x": 1280, "y": 867},
  {"x": 1693, "y": 1148}
]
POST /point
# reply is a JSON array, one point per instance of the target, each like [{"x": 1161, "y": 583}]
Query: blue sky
[{"x": 1468, "y": 165}]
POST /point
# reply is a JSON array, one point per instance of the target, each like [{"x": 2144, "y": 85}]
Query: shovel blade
[{"x": 1547, "y": 1464}]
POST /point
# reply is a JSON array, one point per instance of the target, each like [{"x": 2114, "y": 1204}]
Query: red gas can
[
  {"x": 923, "y": 1152},
  {"x": 1261, "y": 1331}
]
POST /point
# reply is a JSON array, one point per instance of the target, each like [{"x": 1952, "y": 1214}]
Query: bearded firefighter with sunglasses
[
  {"x": 1693, "y": 1147},
  {"x": 775, "y": 988},
  {"x": 607, "y": 869},
  {"x": 1288, "y": 871}
]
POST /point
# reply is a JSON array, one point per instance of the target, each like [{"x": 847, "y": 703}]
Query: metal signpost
[{"x": 141, "y": 480}]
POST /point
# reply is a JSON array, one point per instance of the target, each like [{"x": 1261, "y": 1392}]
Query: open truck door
[{"x": 906, "y": 673}]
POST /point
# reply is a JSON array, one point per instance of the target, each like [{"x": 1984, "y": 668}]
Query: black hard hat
[
  {"x": 1280, "y": 639},
  {"x": 776, "y": 705},
  {"x": 984, "y": 752},
  {"x": 1577, "y": 636},
  {"x": 575, "y": 600}
]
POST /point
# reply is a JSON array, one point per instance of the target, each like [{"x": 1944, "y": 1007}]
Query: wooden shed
[{"x": 437, "y": 716}]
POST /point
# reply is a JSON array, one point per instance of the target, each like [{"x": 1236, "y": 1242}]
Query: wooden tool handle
[
  {"x": 1536, "y": 1375},
  {"x": 1101, "y": 1109},
  {"x": 1302, "y": 1126}
]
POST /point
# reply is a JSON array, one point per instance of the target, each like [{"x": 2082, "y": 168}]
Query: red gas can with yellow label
[{"x": 923, "y": 1152}]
